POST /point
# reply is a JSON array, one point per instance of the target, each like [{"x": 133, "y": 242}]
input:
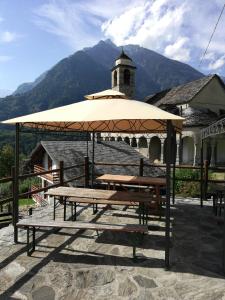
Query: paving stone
[
  {"x": 145, "y": 282},
  {"x": 127, "y": 288},
  {"x": 18, "y": 296},
  {"x": 44, "y": 293},
  {"x": 91, "y": 278},
  {"x": 65, "y": 267},
  {"x": 14, "y": 269}
]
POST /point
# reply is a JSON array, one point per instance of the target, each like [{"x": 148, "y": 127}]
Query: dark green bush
[{"x": 187, "y": 188}]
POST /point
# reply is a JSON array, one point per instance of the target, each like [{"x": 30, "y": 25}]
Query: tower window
[
  {"x": 115, "y": 78},
  {"x": 126, "y": 77}
]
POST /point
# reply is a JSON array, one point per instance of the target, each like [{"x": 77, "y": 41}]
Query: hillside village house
[{"x": 201, "y": 102}]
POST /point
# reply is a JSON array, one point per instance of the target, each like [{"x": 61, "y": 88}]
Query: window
[
  {"x": 126, "y": 77},
  {"x": 115, "y": 78}
]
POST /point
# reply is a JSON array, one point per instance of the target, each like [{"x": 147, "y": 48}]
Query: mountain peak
[{"x": 109, "y": 42}]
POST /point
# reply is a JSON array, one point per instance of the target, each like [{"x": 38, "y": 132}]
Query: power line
[{"x": 212, "y": 35}]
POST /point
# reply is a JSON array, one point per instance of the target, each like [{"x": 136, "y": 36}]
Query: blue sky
[{"x": 36, "y": 34}]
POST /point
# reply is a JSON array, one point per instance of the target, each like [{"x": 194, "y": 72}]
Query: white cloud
[
  {"x": 217, "y": 64},
  {"x": 78, "y": 23},
  {"x": 178, "y": 29},
  {"x": 151, "y": 24},
  {"x": 5, "y": 58},
  {"x": 69, "y": 21},
  {"x": 8, "y": 37},
  {"x": 179, "y": 50}
]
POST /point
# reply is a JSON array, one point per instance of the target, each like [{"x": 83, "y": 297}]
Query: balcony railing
[{"x": 53, "y": 177}]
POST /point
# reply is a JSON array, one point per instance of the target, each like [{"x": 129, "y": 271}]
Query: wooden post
[
  {"x": 174, "y": 155},
  {"x": 93, "y": 160},
  {"x": 61, "y": 173},
  {"x": 141, "y": 167},
  {"x": 201, "y": 176},
  {"x": 223, "y": 262},
  {"x": 168, "y": 177},
  {"x": 86, "y": 171},
  {"x": 181, "y": 150},
  {"x": 16, "y": 185},
  {"x": 206, "y": 175}
]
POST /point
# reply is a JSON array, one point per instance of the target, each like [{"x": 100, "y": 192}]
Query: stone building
[
  {"x": 200, "y": 102},
  {"x": 123, "y": 75}
]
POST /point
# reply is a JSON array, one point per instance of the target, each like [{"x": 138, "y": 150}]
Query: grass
[
  {"x": 217, "y": 176},
  {"x": 26, "y": 201}
]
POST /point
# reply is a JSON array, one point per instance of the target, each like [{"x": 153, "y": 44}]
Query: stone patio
[{"x": 70, "y": 264}]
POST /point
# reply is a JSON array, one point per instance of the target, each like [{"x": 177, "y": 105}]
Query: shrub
[{"x": 187, "y": 188}]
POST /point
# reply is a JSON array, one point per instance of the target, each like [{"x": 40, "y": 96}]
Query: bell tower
[{"x": 123, "y": 75}]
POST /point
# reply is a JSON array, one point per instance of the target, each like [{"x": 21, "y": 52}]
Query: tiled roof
[
  {"x": 73, "y": 152},
  {"x": 198, "y": 117},
  {"x": 180, "y": 94}
]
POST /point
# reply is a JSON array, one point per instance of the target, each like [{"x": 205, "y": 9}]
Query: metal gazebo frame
[
  {"x": 144, "y": 118},
  {"x": 213, "y": 129}
]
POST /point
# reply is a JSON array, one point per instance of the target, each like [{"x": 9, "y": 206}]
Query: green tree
[{"x": 6, "y": 160}]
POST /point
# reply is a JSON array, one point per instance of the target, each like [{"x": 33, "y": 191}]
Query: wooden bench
[
  {"x": 136, "y": 231},
  {"x": 151, "y": 203}
]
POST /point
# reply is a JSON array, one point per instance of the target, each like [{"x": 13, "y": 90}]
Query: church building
[{"x": 200, "y": 102}]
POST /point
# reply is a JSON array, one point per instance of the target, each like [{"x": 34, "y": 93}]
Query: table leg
[
  {"x": 33, "y": 242},
  {"x": 139, "y": 213},
  {"x": 71, "y": 210},
  {"x": 146, "y": 214},
  {"x": 75, "y": 212},
  {"x": 28, "y": 241},
  {"x": 65, "y": 209}
]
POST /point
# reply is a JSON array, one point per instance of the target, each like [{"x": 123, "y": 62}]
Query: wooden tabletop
[
  {"x": 99, "y": 194},
  {"x": 141, "y": 180}
]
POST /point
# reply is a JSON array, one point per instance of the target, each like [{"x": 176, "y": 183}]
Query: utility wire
[{"x": 212, "y": 35}]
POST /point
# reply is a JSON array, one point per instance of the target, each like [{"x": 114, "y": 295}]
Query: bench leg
[
  {"x": 74, "y": 212},
  {"x": 143, "y": 214},
  {"x": 137, "y": 240},
  {"x": 139, "y": 213},
  {"x": 146, "y": 214},
  {"x": 95, "y": 208},
  {"x": 134, "y": 253},
  {"x": 29, "y": 252},
  {"x": 54, "y": 209},
  {"x": 28, "y": 241}
]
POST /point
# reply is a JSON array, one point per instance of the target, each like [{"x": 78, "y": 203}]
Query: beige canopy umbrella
[{"x": 102, "y": 115}]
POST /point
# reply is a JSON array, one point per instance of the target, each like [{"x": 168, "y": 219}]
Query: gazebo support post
[
  {"x": 92, "y": 160},
  {"x": 201, "y": 178},
  {"x": 16, "y": 185},
  {"x": 174, "y": 147},
  {"x": 224, "y": 239},
  {"x": 168, "y": 177},
  {"x": 95, "y": 206},
  {"x": 87, "y": 136}
]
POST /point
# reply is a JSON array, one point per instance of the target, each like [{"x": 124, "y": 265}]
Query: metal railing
[{"x": 203, "y": 181}]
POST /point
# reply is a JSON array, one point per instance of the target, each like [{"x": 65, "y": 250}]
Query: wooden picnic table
[
  {"x": 156, "y": 182},
  {"x": 97, "y": 196}
]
